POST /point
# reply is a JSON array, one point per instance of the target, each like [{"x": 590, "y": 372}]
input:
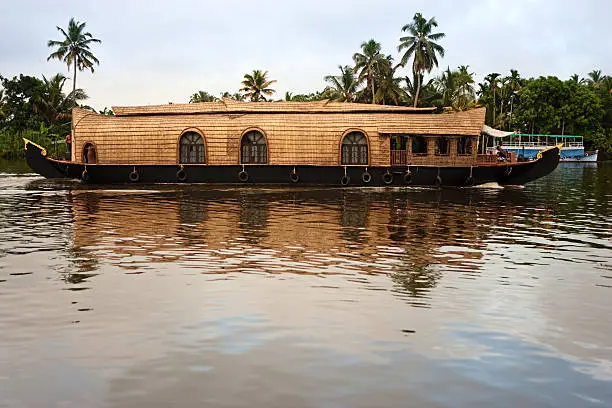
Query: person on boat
[
  {"x": 68, "y": 147},
  {"x": 501, "y": 153},
  {"x": 90, "y": 154}
]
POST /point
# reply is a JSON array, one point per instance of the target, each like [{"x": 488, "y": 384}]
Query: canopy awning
[{"x": 489, "y": 131}]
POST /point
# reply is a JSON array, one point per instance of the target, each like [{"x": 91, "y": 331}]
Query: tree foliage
[
  {"x": 256, "y": 86},
  {"x": 422, "y": 46},
  {"x": 202, "y": 96},
  {"x": 74, "y": 49},
  {"x": 343, "y": 87}
]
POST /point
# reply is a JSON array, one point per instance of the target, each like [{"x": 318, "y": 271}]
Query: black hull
[{"x": 337, "y": 176}]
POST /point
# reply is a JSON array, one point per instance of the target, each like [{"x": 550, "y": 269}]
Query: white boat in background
[{"x": 527, "y": 146}]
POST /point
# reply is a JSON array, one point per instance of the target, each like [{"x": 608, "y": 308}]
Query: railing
[
  {"x": 398, "y": 158},
  {"x": 538, "y": 145},
  {"x": 495, "y": 159}
]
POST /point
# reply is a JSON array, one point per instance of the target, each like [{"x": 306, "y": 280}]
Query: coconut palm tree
[
  {"x": 237, "y": 96},
  {"x": 429, "y": 95},
  {"x": 576, "y": 78},
  {"x": 421, "y": 43},
  {"x": 344, "y": 86},
  {"x": 595, "y": 77},
  {"x": 389, "y": 88},
  {"x": 446, "y": 87},
  {"x": 52, "y": 104},
  {"x": 256, "y": 86},
  {"x": 74, "y": 49},
  {"x": 202, "y": 96},
  {"x": 465, "y": 87},
  {"x": 493, "y": 86},
  {"x": 367, "y": 62}
]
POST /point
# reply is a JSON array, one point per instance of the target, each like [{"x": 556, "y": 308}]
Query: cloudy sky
[{"x": 157, "y": 51}]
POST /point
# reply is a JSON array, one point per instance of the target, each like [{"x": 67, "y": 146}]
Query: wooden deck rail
[{"x": 398, "y": 158}]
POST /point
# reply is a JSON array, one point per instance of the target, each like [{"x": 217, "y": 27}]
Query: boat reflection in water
[
  {"x": 408, "y": 236},
  {"x": 195, "y": 296}
]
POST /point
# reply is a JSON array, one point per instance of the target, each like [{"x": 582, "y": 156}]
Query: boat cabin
[{"x": 277, "y": 133}]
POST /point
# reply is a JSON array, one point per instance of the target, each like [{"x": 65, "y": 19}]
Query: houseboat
[
  {"x": 285, "y": 143},
  {"x": 527, "y": 146}
]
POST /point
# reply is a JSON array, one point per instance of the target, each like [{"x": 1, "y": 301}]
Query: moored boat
[
  {"x": 527, "y": 146},
  {"x": 290, "y": 143}
]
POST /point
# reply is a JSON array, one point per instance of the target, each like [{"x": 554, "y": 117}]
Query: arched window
[
  {"x": 192, "y": 148},
  {"x": 355, "y": 148},
  {"x": 90, "y": 155},
  {"x": 254, "y": 148}
]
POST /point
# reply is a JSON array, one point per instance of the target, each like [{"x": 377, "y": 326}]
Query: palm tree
[
  {"x": 256, "y": 86},
  {"x": 344, "y": 86},
  {"x": 595, "y": 77},
  {"x": 446, "y": 87},
  {"x": 389, "y": 88},
  {"x": 428, "y": 92},
  {"x": 465, "y": 86},
  {"x": 575, "y": 78},
  {"x": 52, "y": 104},
  {"x": 202, "y": 96},
  {"x": 74, "y": 49},
  {"x": 421, "y": 43},
  {"x": 367, "y": 62},
  {"x": 237, "y": 96},
  {"x": 492, "y": 80}
]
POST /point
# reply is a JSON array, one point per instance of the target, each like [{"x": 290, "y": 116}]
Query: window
[
  {"x": 464, "y": 145},
  {"x": 192, "y": 148},
  {"x": 355, "y": 149},
  {"x": 90, "y": 155},
  {"x": 442, "y": 146},
  {"x": 419, "y": 145},
  {"x": 254, "y": 148}
]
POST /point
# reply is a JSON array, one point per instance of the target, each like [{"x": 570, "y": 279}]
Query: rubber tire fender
[
  {"x": 387, "y": 178},
  {"x": 134, "y": 176},
  {"x": 243, "y": 176},
  {"x": 181, "y": 175},
  {"x": 408, "y": 178}
]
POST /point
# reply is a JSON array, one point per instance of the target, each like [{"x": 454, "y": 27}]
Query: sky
[{"x": 156, "y": 52}]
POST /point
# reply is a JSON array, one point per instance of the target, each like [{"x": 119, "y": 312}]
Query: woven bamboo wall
[{"x": 294, "y": 136}]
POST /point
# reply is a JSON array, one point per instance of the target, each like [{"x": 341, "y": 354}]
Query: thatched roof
[
  {"x": 233, "y": 106},
  {"x": 455, "y": 123}
]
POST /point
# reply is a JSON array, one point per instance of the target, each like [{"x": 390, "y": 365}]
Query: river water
[{"x": 191, "y": 296}]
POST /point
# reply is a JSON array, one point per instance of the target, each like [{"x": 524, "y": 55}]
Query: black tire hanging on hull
[{"x": 243, "y": 176}]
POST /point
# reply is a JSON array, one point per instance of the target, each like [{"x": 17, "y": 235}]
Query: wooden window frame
[
  {"x": 245, "y": 133},
  {"x": 426, "y": 142},
  {"x": 204, "y": 152},
  {"x": 367, "y": 145},
  {"x": 436, "y": 146}
]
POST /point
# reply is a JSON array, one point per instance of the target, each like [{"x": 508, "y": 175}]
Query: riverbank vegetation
[{"x": 39, "y": 108}]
